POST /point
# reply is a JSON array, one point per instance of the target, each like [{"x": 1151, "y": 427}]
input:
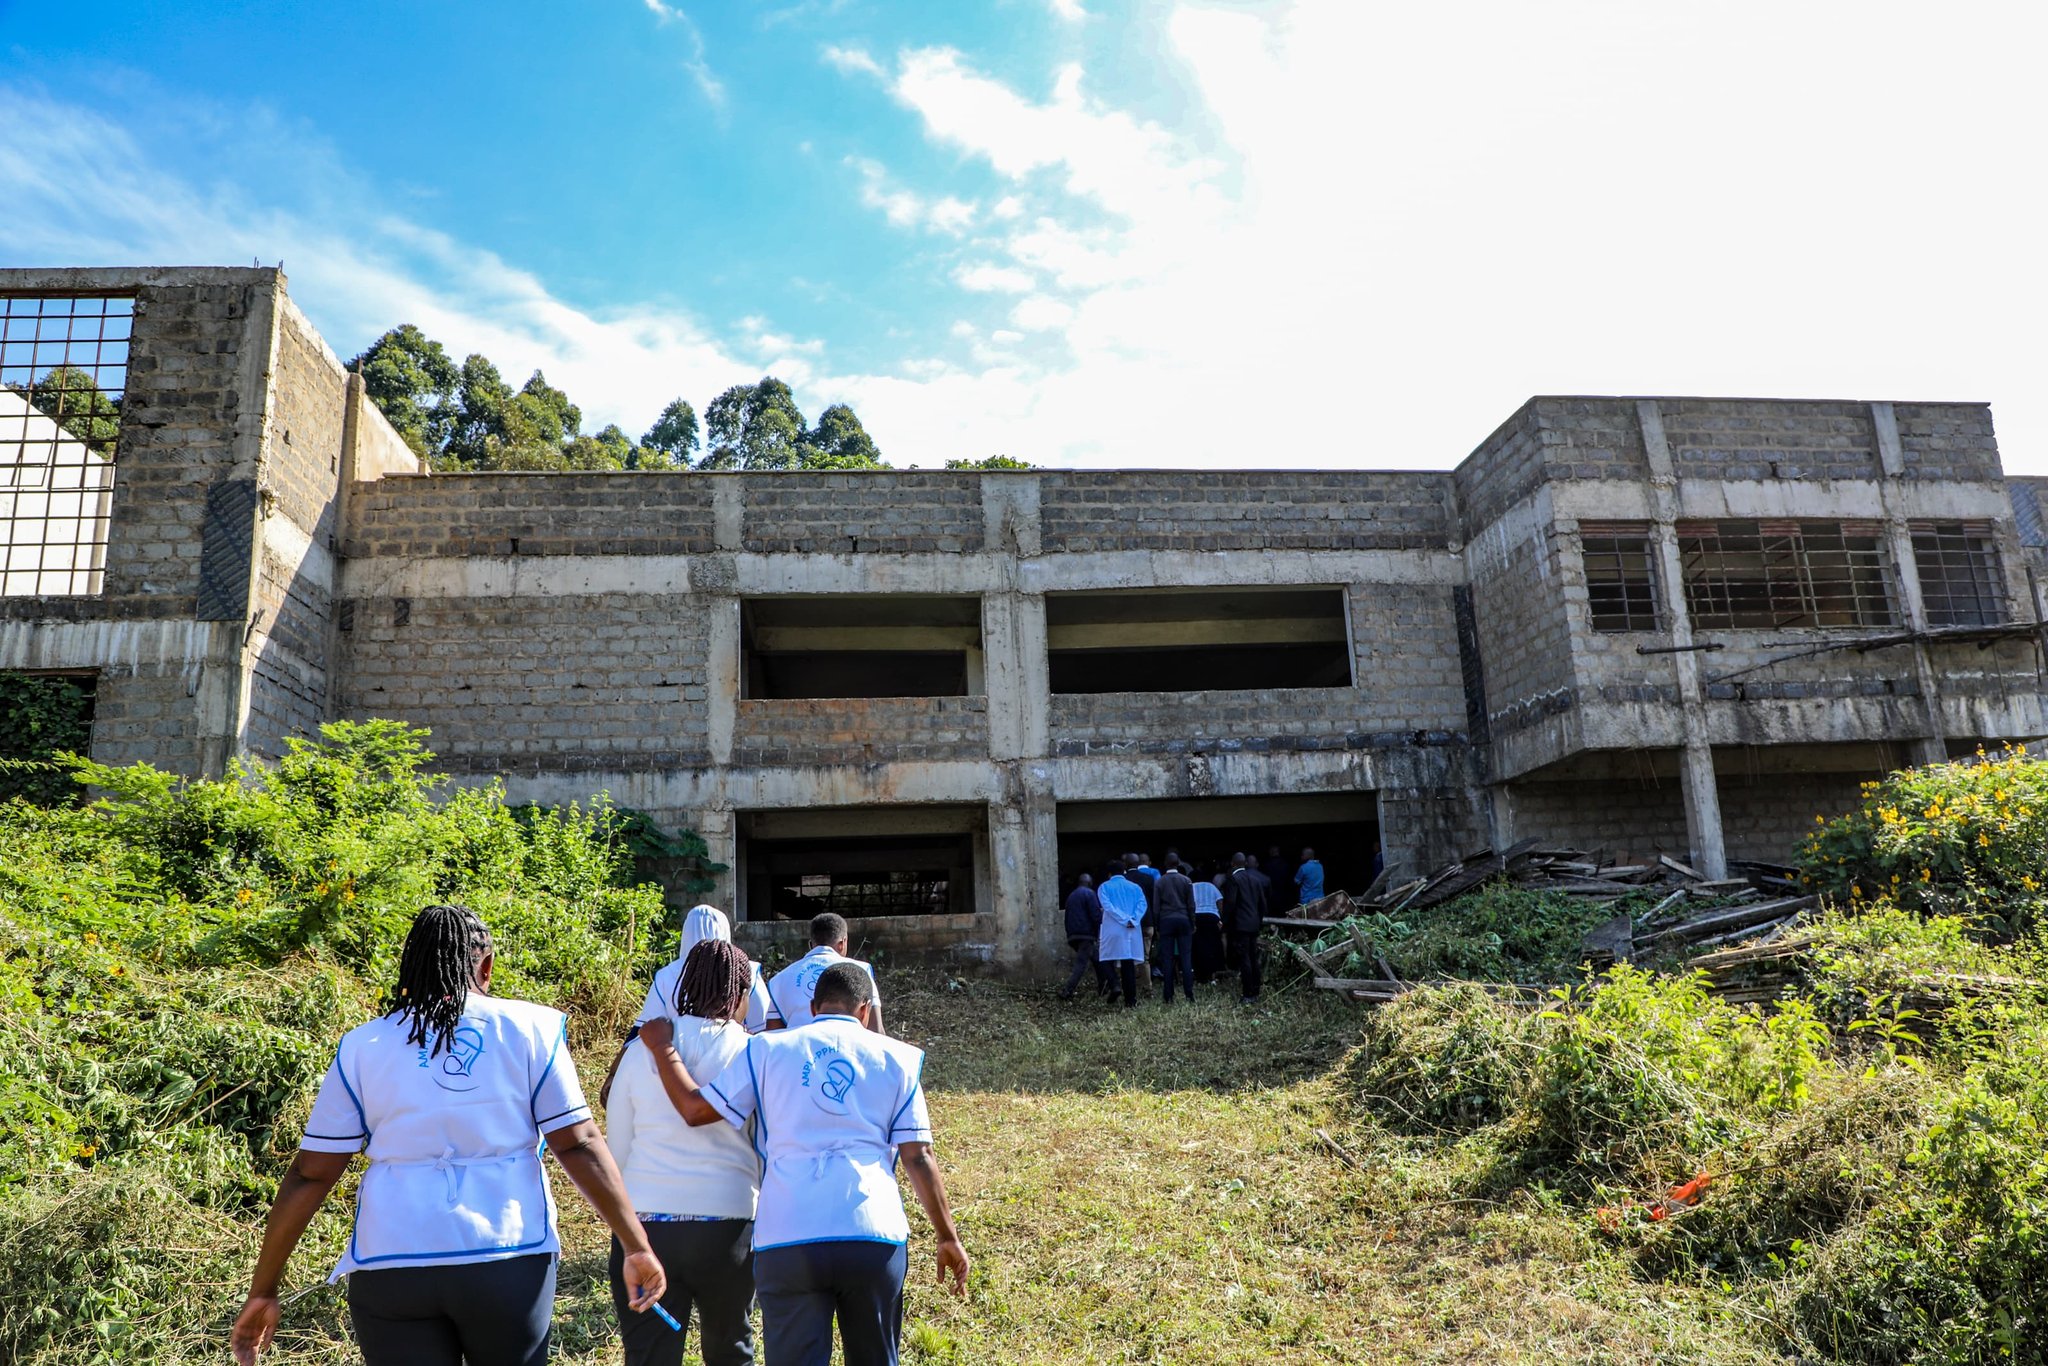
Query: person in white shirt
[
  {"x": 790, "y": 990},
  {"x": 1208, "y": 929},
  {"x": 450, "y": 1092},
  {"x": 1122, "y": 941},
  {"x": 702, "y": 923},
  {"x": 693, "y": 1190},
  {"x": 833, "y": 1104}
]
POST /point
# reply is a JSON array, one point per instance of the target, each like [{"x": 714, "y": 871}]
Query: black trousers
[
  {"x": 485, "y": 1312},
  {"x": 1208, "y": 947},
  {"x": 804, "y": 1287},
  {"x": 1126, "y": 970},
  {"x": 1246, "y": 954},
  {"x": 710, "y": 1266},
  {"x": 1084, "y": 961},
  {"x": 1176, "y": 947}
]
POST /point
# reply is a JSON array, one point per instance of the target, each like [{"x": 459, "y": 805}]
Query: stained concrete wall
[{"x": 278, "y": 558}]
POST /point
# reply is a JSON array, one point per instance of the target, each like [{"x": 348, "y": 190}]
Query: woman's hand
[
  {"x": 646, "y": 1281},
  {"x": 254, "y": 1327},
  {"x": 953, "y": 1261},
  {"x": 659, "y": 1034}
]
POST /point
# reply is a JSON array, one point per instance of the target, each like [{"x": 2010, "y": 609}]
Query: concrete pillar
[
  {"x": 1023, "y": 835},
  {"x": 1931, "y": 748},
  {"x": 1702, "y": 797},
  {"x": 721, "y": 675}
]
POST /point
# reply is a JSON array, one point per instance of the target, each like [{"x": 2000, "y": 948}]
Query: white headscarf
[{"x": 702, "y": 923}]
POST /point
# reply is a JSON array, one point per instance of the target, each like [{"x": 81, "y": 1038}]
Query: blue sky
[{"x": 1315, "y": 232}]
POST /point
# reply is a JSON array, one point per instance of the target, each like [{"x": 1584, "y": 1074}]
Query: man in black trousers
[
  {"x": 1244, "y": 916},
  {"x": 1084, "y": 926},
  {"x": 1174, "y": 929}
]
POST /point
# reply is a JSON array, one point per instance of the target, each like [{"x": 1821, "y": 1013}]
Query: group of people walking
[
  {"x": 754, "y": 1130},
  {"x": 1198, "y": 926}
]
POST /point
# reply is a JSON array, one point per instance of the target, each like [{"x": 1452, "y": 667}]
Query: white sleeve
[
  {"x": 760, "y": 1005},
  {"x": 654, "y": 1006},
  {"x": 735, "y": 1092},
  {"x": 913, "y": 1122},
  {"x": 618, "y": 1115},
  {"x": 337, "y": 1124},
  {"x": 558, "y": 1096}
]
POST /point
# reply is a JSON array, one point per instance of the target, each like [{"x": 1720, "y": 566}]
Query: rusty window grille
[
  {"x": 1779, "y": 574},
  {"x": 920, "y": 892},
  {"x": 1621, "y": 581},
  {"x": 1960, "y": 581},
  {"x": 63, "y": 372}
]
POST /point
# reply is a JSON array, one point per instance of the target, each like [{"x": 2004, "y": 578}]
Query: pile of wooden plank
[{"x": 1540, "y": 866}]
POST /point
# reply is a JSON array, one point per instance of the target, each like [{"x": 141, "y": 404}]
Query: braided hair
[
  {"x": 714, "y": 981},
  {"x": 441, "y": 953}
]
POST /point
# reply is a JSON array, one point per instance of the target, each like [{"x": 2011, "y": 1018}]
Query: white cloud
[
  {"x": 985, "y": 278},
  {"x": 696, "y": 63},
  {"x": 852, "y": 60},
  {"x": 1069, "y": 10},
  {"x": 1041, "y": 314},
  {"x": 907, "y": 209}
]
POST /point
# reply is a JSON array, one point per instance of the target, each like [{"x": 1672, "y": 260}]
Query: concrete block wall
[
  {"x": 1642, "y": 817},
  {"x": 862, "y": 512},
  {"x": 958, "y": 941},
  {"x": 1767, "y": 815},
  {"x": 498, "y": 683},
  {"x": 1518, "y": 607},
  {"x": 549, "y": 514},
  {"x": 1224, "y": 510},
  {"x": 1948, "y": 442},
  {"x": 853, "y": 730},
  {"x": 1769, "y": 439}
]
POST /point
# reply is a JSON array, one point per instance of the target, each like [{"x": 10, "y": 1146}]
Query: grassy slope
[{"x": 1144, "y": 1186}]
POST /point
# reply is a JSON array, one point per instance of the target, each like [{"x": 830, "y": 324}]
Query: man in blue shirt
[
  {"x": 1084, "y": 925},
  {"x": 1309, "y": 877}
]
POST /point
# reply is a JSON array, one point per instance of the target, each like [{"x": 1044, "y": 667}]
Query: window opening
[
  {"x": 1960, "y": 581},
  {"x": 63, "y": 372},
  {"x": 1742, "y": 575},
  {"x": 1621, "y": 585},
  {"x": 861, "y": 645},
  {"x": 1174, "y": 640}
]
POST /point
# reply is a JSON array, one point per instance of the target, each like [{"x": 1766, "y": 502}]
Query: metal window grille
[
  {"x": 903, "y": 893},
  {"x": 1785, "y": 574},
  {"x": 63, "y": 371},
  {"x": 1621, "y": 581},
  {"x": 1960, "y": 581}
]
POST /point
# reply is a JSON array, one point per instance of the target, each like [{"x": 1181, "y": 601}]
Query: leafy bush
[
  {"x": 41, "y": 718},
  {"x": 1443, "y": 1058},
  {"x": 1499, "y": 933},
  {"x": 177, "y": 960},
  {"x": 1640, "y": 1066},
  {"x": 1961, "y": 838}
]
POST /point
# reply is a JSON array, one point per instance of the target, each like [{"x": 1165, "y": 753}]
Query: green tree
[
  {"x": 754, "y": 427},
  {"x": 413, "y": 382},
  {"x": 991, "y": 462},
  {"x": 840, "y": 442},
  {"x": 673, "y": 438},
  {"x": 546, "y": 411},
  {"x": 70, "y": 398},
  {"x": 481, "y": 405}
]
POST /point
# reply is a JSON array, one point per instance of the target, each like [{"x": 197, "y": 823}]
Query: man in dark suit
[{"x": 1244, "y": 915}]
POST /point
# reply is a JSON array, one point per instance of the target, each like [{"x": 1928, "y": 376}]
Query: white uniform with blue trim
[
  {"x": 661, "y": 998},
  {"x": 454, "y": 1139},
  {"x": 790, "y": 990},
  {"x": 829, "y": 1102}
]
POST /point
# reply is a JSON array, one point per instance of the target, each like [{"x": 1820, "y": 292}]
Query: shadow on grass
[{"x": 992, "y": 1036}]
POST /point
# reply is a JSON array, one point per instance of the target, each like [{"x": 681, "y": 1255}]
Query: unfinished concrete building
[{"x": 924, "y": 699}]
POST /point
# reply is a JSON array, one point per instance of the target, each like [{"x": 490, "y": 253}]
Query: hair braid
[
  {"x": 434, "y": 972},
  {"x": 714, "y": 981}
]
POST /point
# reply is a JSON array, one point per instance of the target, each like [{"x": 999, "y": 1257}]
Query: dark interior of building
[
  {"x": 858, "y": 876},
  {"x": 1188, "y": 640},
  {"x": 846, "y": 645},
  {"x": 1343, "y": 829}
]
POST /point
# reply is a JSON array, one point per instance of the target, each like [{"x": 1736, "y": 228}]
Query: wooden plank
[{"x": 1675, "y": 866}]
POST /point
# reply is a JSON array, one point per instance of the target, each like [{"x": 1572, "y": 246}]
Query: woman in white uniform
[
  {"x": 701, "y": 924},
  {"x": 693, "y": 1189},
  {"x": 454, "y": 1246}
]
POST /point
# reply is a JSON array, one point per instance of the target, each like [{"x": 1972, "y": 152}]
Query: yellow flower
[
  {"x": 1856, "y": 891},
  {"x": 1895, "y": 879},
  {"x": 1934, "y": 810},
  {"x": 1983, "y": 839},
  {"x": 91, "y": 938},
  {"x": 244, "y": 894},
  {"x": 2029, "y": 883},
  {"x": 320, "y": 890},
  {"x": 1927, "y": 875},
  {"x": 120, "y": 971}
]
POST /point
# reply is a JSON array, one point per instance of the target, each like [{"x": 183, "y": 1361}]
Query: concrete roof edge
[{"x": 122, "y": 279}]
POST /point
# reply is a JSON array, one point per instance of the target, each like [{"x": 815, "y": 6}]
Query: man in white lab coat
[{"x": 1122, "y": 941}]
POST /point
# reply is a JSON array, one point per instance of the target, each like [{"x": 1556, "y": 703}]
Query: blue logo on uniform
[
  {"x": 465, "y": 1050},
  {"x": 809, "y": 981},
  {"x": 839, "y": 1079}
]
